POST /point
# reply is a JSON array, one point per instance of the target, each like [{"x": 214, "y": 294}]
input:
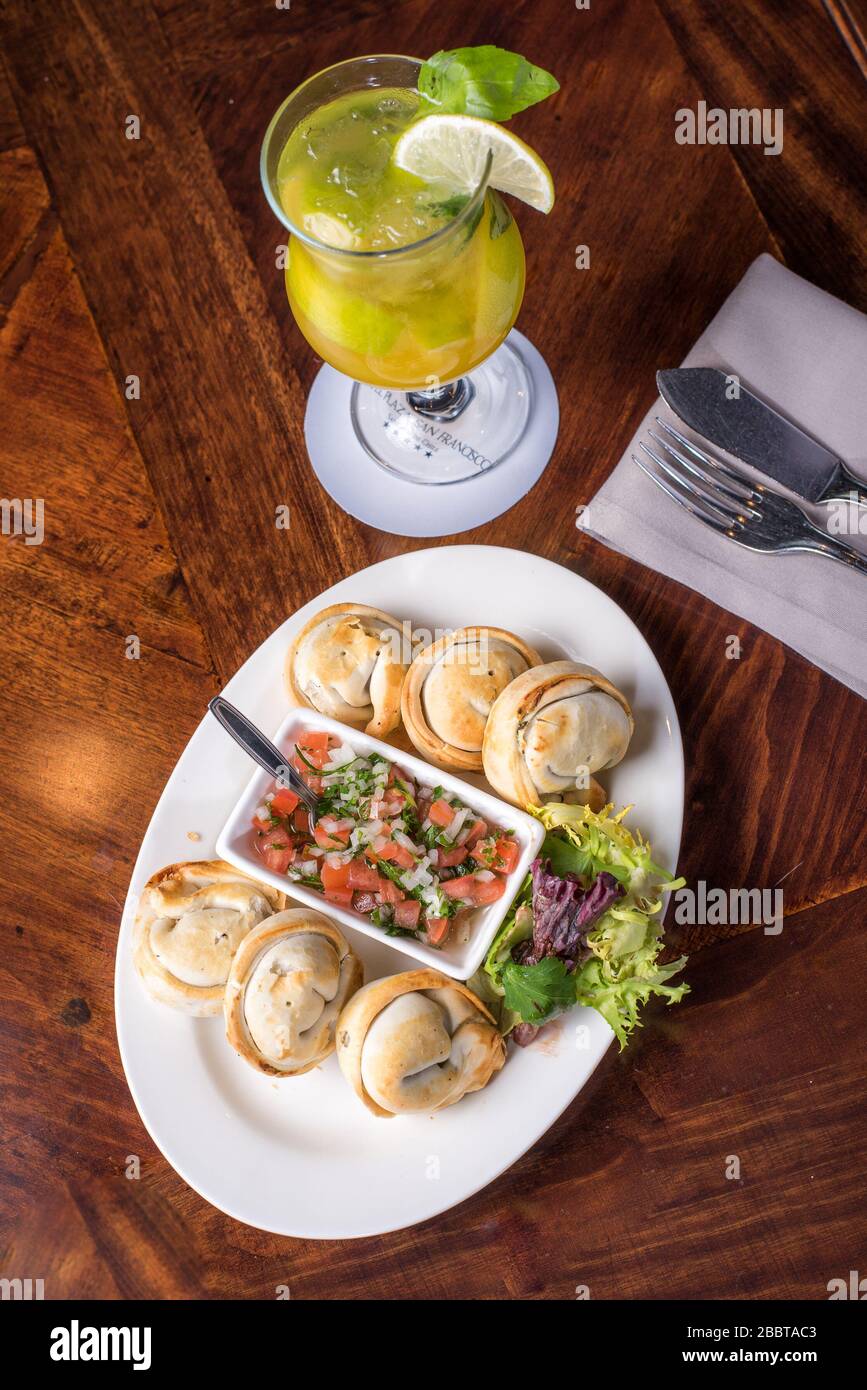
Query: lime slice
[{"x": 453, "y": 150}]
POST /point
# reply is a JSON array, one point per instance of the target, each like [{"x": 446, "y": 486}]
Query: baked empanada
[
  {"x": 290, "y": 978},
  {"x": 191, "y": 919},
  {"x": 348, "y": 662},
  {"x": 416, "y": 1042},
  {"x": 451, "y": 687},
  {"x": 550, "y": 730}
]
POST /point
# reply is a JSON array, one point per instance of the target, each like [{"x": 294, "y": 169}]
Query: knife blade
[{"x": 751, "y": 430}]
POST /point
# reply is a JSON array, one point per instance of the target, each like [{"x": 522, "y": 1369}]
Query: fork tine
[
  {"x": 690, "y": 507},
  {"x": 718, "y": 482},
  {"x": 725, "y": 468},
  {"x": 716, "y": 504}
]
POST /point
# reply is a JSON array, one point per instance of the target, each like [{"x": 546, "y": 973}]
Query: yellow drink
[{"x": 411, "y": 321}]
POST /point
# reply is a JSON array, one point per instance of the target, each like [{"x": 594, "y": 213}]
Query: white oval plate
[{"x": 302, "y": 1157}]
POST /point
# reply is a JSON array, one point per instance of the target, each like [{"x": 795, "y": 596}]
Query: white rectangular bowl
[{"x": 460, "y": 960}]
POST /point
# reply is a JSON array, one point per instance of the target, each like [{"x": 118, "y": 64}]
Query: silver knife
[{"x": 753, "y": 431}]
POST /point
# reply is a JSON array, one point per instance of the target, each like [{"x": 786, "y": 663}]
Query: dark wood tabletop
[{"x": 155, "y": 259}]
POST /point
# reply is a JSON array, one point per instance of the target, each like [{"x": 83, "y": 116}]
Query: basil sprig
[{"x": 485, "y": 81}]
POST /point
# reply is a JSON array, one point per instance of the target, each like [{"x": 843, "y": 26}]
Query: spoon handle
[{"x": 261, "y": 749}]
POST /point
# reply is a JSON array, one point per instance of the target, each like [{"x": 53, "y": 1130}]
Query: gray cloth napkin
[{"x": 805, "y": 352}]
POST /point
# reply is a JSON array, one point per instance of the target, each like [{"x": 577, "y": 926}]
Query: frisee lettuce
[{"x": 623, "y": 972}]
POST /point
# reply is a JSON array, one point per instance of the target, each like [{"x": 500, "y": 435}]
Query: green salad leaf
[
  {"x": 537, "y": 992},
  {"x": 484, "y": 81},
  {"x": 623, "y": 970}
]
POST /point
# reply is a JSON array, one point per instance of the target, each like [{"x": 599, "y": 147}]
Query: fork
[{"x": 748, "y": 513}]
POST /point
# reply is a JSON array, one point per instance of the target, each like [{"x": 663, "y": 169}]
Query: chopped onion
[
  {"x": 340, "y": 757},
  {"x": 379, "y": 844},
  {"x": 370, "y": 829},
  {"x": 453, "y": 829},
  {"x": 336, "y": 859},
  {"x": 484, "y": 876},
  {"x": 404, "y": 840}
]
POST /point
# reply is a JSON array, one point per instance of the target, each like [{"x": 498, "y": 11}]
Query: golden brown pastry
[
  {"x": 290, "y": 978},
  {"x": 416, "y": 1042},
  {"x": 450, "y": 688},
  {"x": 191, "y": 919},
  {"x": 550, "y": 729},
  {"x": 347, "y": 662}
]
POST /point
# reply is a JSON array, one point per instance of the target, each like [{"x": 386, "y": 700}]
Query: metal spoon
[{"x": 263, "y": 752}]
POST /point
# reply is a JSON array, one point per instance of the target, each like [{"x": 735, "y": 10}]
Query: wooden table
[{"x": 155, "y": 259}]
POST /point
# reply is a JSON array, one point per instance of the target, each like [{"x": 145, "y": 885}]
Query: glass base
[
  {"x": 379, "y": 497},
  {"x": 450, "y": 435}
]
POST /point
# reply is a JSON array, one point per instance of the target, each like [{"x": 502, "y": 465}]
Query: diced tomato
[
  {"x": 364, "y": 902},
  {"x": 315, "y": 750},
  {"x": 406, "y": 914},
  {"x": 474, "y": 890},
  {"x": 283, "y": 802},
  {"x": 301, "y": 819},
  {"x": 264, "y": 825},
  {"x": 507, "y": 855},
  {"x": 488, "y": 892},
  {"x": 330, "y": 839},
  {"x": 437, "y": 930},
  {"x": 397, "y": 854},
  {"x": 277, "y": 859},
  {"x": 336, "y": 876},
  {"x": 441, "y": 813},
  {"x": 343, "y": 896},
  {"x": 313, "y": 781},
  {"x": 459, "y": 887},
  {"x": 450, "y": 858},
  {"x": 363, "y": 875},
  {"x": 389, "y": 892},
  {"x": 478, "y": 831},
  {"x": 315, "y": 746}
]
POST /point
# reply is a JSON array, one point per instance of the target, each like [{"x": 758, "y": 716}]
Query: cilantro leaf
[{"x": 537, "y": 992}]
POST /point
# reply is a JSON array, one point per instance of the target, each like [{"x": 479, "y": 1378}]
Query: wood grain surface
[{"x": 156, "y": 259}]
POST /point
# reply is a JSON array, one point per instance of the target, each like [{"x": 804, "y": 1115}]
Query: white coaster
[{"x": 373, "y": 494}]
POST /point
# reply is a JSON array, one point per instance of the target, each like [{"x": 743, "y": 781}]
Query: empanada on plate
[
  {"x": 190, "y": 921},
  {"x": 348, "y": 662},
  {"x": 417, "y": 1042},
  {"x": 289, "y": 980},
  {"x": 451, "y": 687}
]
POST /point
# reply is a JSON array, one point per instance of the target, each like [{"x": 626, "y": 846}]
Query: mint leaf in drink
[
  {"x": 486, "y": 81},
  {"x": 449, "y": 207},
  {"x": 501, "y": 218}
]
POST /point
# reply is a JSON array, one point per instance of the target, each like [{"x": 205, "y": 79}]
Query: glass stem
[{"x": 442, "y": 402}]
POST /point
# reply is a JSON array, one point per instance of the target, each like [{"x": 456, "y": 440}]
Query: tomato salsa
[{"x": 414, "y": 860}]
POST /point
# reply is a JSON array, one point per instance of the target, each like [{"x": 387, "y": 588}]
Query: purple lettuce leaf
[{"x": 564, "y": 911}]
